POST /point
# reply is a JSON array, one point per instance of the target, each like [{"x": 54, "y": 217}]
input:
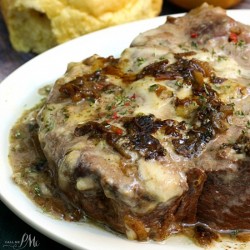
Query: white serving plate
[{"x": 19, "y": 92}]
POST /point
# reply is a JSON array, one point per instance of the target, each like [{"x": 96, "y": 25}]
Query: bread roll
[{"x": 37, "y": 25}]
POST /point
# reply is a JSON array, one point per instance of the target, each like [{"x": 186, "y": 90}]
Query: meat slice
[
  {"x": 225, "y": 201},
  {"x": 158, "y": 139}
]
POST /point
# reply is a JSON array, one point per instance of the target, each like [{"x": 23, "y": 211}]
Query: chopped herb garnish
[
  {"x": 179, "y": 83},
  {"x": 202, "y": 98},
  {"x": 231, "y": 104},
  {"x": 248, "y": 124},
  {"x": 222, "y": 58},
  {"x": 51, "y": 108},
  {"x": 194, "y": 44},
  {"x": 239, "y": 113},
  {"x": 37, "y": 190},
  {"x": 109, "y": 106},
  {"x": 153, "y": 87},
  {"x": 240, "y": 43},
  {"x": 140, "y": 61},
  {"x": 49, "y": 125},
  {"x": 205, "y": 88},
  {"x": 181, "y": 46},
  {"x": 213, "y": 52},
  {"x": 243, "y": 131},
  {"x": 91, "y": 100},
  {"x": 65, "y": 113}
]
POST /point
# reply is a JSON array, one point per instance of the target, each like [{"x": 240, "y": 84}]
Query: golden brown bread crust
[{"x": 37, "y": 25}]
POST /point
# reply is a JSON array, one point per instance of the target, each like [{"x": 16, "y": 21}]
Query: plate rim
[{"x": 4, "y": 84}]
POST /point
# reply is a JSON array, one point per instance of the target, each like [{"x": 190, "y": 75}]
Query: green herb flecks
[
  {"x": 194, "y": 44},
  {"x": 153, "y": 87},
  {"x": 179, "y": 83},
  {"x": 140, "y": 61},
  {"x": 222, "y": 58},
  {"x": 239, "y": 113},
  {"x": 240, "y": 44},
  {"x": 37, "y": 190},
  {"x": 248, "y": 125}
]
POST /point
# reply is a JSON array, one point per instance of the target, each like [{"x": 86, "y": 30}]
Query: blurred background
[{"x": 11, "y": 227}]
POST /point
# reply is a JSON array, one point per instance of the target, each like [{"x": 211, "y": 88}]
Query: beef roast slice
[
  {"x": 225, "y": 200},
  {"x": 152, "y": 141}
]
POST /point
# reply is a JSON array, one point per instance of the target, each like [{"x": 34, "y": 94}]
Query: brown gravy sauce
[{"x": 30, "y": 169}]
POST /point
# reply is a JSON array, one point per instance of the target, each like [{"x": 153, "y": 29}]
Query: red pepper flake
[
  {"x": 233, "y": 37},
  {"x": 127, "y": 104},
  {"x": 133, "y": 96},
  {"x": 194, "y": 35},
  {"x": 117, "y": 130},
  {"x": 115, "y": 115}
]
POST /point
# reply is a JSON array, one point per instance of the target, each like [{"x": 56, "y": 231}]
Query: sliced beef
[{"x": 225, "y": 200}]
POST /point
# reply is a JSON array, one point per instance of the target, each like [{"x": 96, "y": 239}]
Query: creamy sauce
[
  {"x": 169, "y": 99},
  {"x": 31, "y": 172}
]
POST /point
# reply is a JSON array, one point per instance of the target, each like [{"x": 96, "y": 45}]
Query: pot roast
[{"x": 158, "y": 140}]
